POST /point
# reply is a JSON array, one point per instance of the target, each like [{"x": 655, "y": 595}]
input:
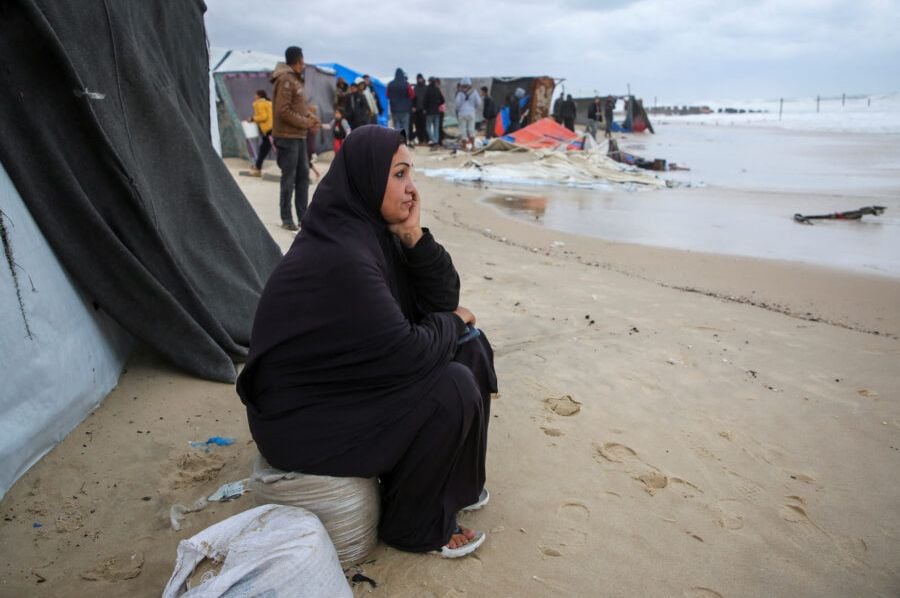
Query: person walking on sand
[
  {"x": 608, "y": 108},
  {"x": 434, "y": 99},
  {"x": 400, "y": 103},
  {"x": 595, "y": 115},
  {"x": 419, "y": 109},
  {"x": 568, "y": 111},
  {"x": 468, "y": 103},
  {"x": 292, "y": 119},
  {"x": 340, "y": 128},
  {"x": 489, "y": 113},
  {"x": 262, "y": 116}
]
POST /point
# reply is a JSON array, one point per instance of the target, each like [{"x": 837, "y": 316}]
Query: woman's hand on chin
[{"x": 409, "y": 230}]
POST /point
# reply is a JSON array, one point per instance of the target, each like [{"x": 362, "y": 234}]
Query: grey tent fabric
[
  {"x": 105, "y": 112},
  {"x": 236, "y": 91}
]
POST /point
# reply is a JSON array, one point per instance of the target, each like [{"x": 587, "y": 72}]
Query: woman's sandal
[
  {"x": 467, "y": 548},
  {"x": 483, "y": 499}
]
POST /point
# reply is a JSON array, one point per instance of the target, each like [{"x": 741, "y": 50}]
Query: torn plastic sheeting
[{"x": 590, "y": 170}]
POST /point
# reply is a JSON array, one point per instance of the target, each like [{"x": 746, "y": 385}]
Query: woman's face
[{"x": 400, "y": 193}]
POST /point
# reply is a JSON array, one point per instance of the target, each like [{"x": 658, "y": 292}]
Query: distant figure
[
  {"x": 442, "y": 110},
  {"x": 292, "y": 120},
  {"x": 359, "y": 109},
  {"x": 468, "y": 103},
  {"x": 434, "y": 99},
  {"x": 595, "y": 115},
  {"x": 340, "y": 128},
  {"x": 341, "y": 91},
  {"x": 557, "y": 109},
  {"x": 262, "y": 116},
  {"x": 489, "y": 113},
  {"x": 372, "y": 98},
  {"x": 418, "y": 108},
  {"x": 568, "y": 111},
  {"x": 311, "y": 145},
  {"x": 608, "y": 108},
  {"x": 514, "y": 105},
  {"x": 629, "y": 111},
  {"x": 400, "y": 103}
]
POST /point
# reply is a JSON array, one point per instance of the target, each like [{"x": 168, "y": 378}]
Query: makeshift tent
[
  {"x": 535, "y": 105},
  {"x": 350, "y": 75},
  {"x": 106, "y": 121},
  {"x": 237, "y": 76}
]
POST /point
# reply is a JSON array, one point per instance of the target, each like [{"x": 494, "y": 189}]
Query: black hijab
[{"x": 338, "y": 347}]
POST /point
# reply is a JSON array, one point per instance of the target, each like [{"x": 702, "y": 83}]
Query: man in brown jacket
[{"x": 293, "y": 118}]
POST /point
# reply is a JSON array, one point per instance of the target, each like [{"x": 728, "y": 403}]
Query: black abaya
[{"x": 354, "y": 368}]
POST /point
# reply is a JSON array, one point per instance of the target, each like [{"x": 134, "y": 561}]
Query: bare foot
[{"x": 465, "y": 536}]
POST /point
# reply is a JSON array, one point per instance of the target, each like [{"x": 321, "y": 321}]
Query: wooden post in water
[
  {"x": 817, "y": 104},
  {"x": 843, "y": 99},
  {"x": 780, "y": 107}
]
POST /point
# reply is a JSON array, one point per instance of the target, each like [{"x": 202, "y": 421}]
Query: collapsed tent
[
  {"x": 106, "y": 120},
  {"x": 586, "y": 170},
  {"x": 545, "y": 133},
  {"x": 239, "y": 74}
]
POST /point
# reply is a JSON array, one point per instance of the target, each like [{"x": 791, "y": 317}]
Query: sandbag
[
  {"x": 349, "y": 508},
  {"x": 270, "y": 550}
]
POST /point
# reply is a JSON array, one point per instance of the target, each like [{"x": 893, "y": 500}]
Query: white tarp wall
[{"x": 58, "y": 356}]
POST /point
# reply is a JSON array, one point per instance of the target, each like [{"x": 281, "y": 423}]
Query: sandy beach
[{"x": 669, "y": 423}]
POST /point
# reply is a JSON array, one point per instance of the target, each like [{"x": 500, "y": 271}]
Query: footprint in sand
[
  {"x": 568, "y": 535},
  {"x": 794, "y": 511},
  {"x": 652, "y": 479},
  {"x": 614, "y": 452},
  {"x": 554, "y": 432},
  {"x": 564, "y": 405},
  {"x": 195, "y": 468},
  {"x": 728, "y": 515}
]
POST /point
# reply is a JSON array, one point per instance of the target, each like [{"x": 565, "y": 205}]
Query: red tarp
[{"x": 545, "y": 133}]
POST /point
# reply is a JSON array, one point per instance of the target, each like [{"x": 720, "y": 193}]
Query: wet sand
[
  {"x": 746, "y": 185},
  {"x": 737, "y": 432}
]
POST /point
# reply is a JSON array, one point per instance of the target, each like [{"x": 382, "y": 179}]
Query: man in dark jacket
[
  {"x": 293, "y": 117},
  {"x": 568, "y": 112},
  {"x": 434, "y": 99},
  {"x": 360, "y": 111},
  {"x": 419, "y": 110},
  {"x": 488, "y": 112},
  {"x": 400, "y": 103},
  {"x": 595, "y": 115}
]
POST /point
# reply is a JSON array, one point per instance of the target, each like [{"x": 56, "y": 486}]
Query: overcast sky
[{"x": 679, "y": 51}]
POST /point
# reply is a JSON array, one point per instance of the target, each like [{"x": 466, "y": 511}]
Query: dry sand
[{"x": 668, "y": 424}]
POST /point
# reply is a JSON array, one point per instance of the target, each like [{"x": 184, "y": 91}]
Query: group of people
[
  {"x": 288, "y": 121},
  {"x": 565, "y": 112},
  {"x": 362, "y": 362}
]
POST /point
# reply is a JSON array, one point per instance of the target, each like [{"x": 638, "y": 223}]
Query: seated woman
[{"x": 358, "y": 361}]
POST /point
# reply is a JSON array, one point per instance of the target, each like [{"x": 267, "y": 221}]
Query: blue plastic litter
[
  {"x": 216, "y": 440},
  {"x": 37, "y": 524}
]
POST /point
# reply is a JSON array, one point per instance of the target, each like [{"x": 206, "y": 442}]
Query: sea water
[{"x": 749, "y": 174}]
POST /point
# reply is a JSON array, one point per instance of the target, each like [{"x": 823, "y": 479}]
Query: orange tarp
[{"x": 545, "y": 133}]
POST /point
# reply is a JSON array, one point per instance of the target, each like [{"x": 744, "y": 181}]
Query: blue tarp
[{"x": 349, "y": 75}]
